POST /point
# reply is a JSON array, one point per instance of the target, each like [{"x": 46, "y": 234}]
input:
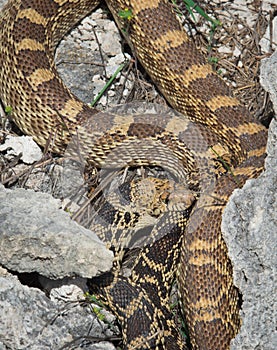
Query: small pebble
[{"x": 237, "y": 52}]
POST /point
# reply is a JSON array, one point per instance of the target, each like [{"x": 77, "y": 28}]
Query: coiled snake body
[{"x": 42, "y": 106}]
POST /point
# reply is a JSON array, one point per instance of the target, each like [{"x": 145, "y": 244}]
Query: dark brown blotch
[
  {"x": 209, "y": 87},
  {"x": 53, "y": 93},
  {"x": 156, "y": 22},
  {"x": 143, "y": 130},
  {"x": 232, "y": 116},
  {"x": 181, "y": 58},
  {"x": 25, "y": 29},
  {"x": 32, "y": 60},
  {"x": 45, "y": 8},
  {"x": 254, "y": 141}
]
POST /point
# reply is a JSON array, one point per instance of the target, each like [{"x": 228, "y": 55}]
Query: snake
[{"x": 216, "y": 129}]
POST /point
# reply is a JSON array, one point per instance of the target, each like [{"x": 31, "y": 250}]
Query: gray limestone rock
[
  {"x": 268, "y": 77},
  {"x": 30, "y": 320},
  {"x": 24, "y": 145},
  {"x": 94, "y": 48},
  {"x": 36, "y": 235},
  {"x": 249, "y": 227}
]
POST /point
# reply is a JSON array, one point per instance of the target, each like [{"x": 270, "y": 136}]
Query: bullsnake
[{"x": 213, "y": 121}]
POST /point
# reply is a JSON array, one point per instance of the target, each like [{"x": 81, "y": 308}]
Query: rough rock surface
[
  {"x": 268, "y": 77},
  {"x": 24, "y": 145},
  {"x": 41, "y": 237},
  {"x": 30, "y": 320},
  {"x": 87, "y": 58},
  {"x": 249, "y": 226}
]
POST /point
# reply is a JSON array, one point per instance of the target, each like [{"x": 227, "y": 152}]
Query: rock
[
  {"x": 110, "y": 40},
  {"x": 249, "y": 226},
  {"x": 79, "y": 59},
  {"x": 114, "y": 63},
  {"x": 14, "y": 145},
  {"x": 30, "y": 320},
  {"x": 36, "y": 235},
  {"x": 236, "y": 52},
  {"x": 268, "y": 77},
  {"x": 225, "y": 49}
]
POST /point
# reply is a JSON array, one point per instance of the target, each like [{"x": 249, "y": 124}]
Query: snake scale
[{"x": 42, "y": 106}]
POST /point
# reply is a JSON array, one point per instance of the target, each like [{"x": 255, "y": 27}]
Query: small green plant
[
  {"x": 126, "y": 14},
  {"x": 8, "y": 110},
  {"x": 97, "y": 309},
  {"x": 213, "y": 60},
  {"x": 91, "y": 298}
]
